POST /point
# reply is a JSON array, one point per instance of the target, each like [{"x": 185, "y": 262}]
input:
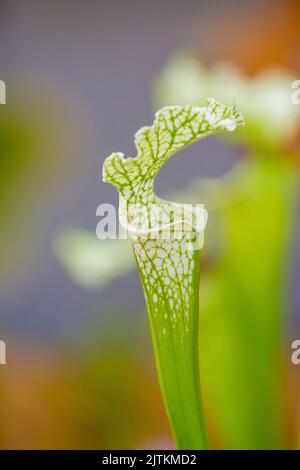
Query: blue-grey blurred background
[{"x": 79, "y": 79}]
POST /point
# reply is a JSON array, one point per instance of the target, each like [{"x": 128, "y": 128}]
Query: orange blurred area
[
  {"x": 48, "y": 401},
  {"x": 255, "y": 35}
]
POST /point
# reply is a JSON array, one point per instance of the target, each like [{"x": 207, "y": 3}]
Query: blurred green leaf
[
  {"x": 92, "y": 262},
  {"x": 244, "y": 306}
]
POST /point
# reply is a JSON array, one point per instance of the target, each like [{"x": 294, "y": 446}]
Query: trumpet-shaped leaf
[{"x": 162, "y": 235}]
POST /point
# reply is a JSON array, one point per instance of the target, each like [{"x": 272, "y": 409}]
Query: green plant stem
[{"x": 175, "y": 343}]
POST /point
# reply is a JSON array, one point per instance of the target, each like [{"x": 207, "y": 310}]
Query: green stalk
[
  {"x": 174, "y": 336},
  {"x": 162, "y": 233}
]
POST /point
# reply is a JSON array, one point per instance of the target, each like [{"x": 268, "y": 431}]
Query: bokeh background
[{"x": 80, "y": 79}]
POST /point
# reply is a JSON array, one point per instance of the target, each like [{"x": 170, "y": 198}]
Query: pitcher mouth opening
[{"x": 163, "y": 220}]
